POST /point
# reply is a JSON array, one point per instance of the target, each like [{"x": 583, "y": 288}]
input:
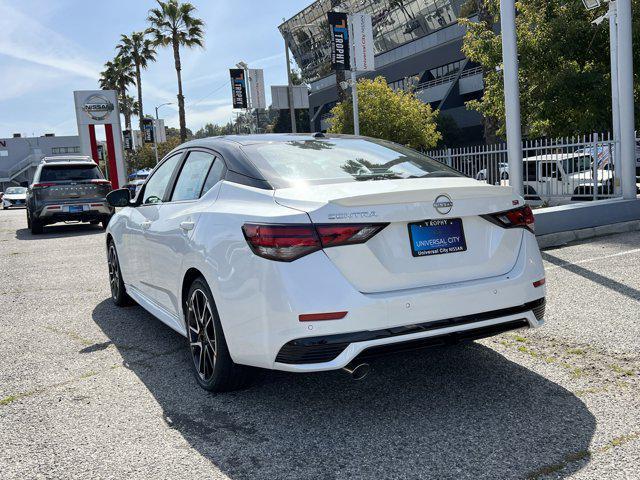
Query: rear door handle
[
  {"x": 186, "y": 226},
  {"x": 145, "y": 225}
]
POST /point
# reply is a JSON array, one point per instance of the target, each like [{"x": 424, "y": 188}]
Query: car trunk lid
[{"x": 386, "y": 262}]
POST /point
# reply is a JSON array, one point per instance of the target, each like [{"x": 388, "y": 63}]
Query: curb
[{"x": 562, "y": 238}]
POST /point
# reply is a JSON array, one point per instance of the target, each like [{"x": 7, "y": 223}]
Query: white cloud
[{"x": 24, "y": 38}]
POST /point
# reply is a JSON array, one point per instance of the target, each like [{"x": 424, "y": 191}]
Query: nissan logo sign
[
  {"x": 443, "y": 204},
  {"x": 98, "y": 107}
]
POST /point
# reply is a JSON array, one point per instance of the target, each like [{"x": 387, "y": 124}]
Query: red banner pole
[
  {"x": 111, "y": 152},
  {"x": 94, "y": 143}
]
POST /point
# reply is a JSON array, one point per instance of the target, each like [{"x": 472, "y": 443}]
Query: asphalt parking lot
[{"x": 89, "y": 390}]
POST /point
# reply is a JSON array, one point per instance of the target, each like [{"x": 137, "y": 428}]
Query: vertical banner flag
[
  {"x": 238, "y": 88},
  {"x": 362, "y": 32},
  {"x": 147, "y": 130},
  {"x": 339, "y": 40},
  {"x": 256, "y": 88},
  {"x": 127, "y": 139}
]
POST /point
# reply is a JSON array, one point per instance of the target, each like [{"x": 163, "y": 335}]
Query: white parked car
[
  {"x": 565, "y": 177},
  {"x": 503, "y": 168},
  {"x": 310, "y": 252},
  {"x": 14, "y": 197}
]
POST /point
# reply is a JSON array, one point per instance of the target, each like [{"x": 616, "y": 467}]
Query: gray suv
[{"x": 70, "y": 188}]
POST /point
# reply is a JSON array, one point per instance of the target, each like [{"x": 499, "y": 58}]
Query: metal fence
[{"x": 554, "y": 171}]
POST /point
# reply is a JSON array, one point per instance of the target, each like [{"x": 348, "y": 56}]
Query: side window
[
  {"x": 156, "y": 186},
  {"x": 215, "y": 175},
  {"x": 548, "y": 170},
  {"x": 192, "y": 176},
  {"x": 530, "y": 171}
]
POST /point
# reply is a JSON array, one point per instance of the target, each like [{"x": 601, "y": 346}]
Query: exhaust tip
[{"x": 358, "y": 371}]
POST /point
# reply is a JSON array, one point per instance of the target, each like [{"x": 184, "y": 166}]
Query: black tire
[
  {"x": 212, "y": 365},
  {"x": 36, "y": 227},
  {"x": 116, "y": 284},
  {"x": 28, "y": 220}
]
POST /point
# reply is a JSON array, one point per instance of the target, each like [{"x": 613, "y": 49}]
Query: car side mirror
[{"x": 119, "y": 198}]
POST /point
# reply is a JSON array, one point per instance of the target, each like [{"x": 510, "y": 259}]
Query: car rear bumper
[
  {"x": 269, "y": 332},
  {"x": 91, "y": 210},
  {"x": 335, "y": 351}
]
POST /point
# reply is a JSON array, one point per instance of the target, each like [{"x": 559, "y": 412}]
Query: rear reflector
[
  {"x": 96, "y": 204},
  {"x": 313, "y": 317},
  {"x": 539, "y": 283},
  {"x": 54, "y": 207},
  {"x": 518, "y": 217},
  {"x": 286, "y": 243}
]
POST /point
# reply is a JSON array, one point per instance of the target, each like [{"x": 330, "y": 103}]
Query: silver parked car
[{"x": 68, "y": 188}]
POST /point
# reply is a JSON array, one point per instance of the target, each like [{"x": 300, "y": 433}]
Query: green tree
[
  {"x": 145, "y": 157},
  {"x": 564, "y": 66},
  {"x": 397, "y": 116},
  {"x": 118, "y": 75},
  {"x": 173, "y": 23},
  {"x": 138, "y": 50},
  {"x": 214, "y": 130}
]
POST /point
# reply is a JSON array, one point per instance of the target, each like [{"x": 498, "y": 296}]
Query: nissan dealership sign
[
  {"x": 95, "y": 107},
  {"x": 98, "y": 107}
]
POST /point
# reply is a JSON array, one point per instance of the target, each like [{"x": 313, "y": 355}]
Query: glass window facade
[
  {"x": 62, "y": 150},
  {"x": 395, "y": 22}
]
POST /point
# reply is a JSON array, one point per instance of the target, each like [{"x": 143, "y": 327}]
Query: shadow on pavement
[
  {"x": 59, "y": 230},
  {"x": 602, "y": 280},
  {"x": 460, "y": 412}
]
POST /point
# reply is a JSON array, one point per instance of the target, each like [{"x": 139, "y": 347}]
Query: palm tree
[
  {"x": 139, "y": 50},
  {"x": 173, "y": 23},
  {"x": 118, "y": 75}
]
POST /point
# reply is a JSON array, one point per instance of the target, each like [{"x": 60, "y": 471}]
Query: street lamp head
[{"x": 591, "y": 4}]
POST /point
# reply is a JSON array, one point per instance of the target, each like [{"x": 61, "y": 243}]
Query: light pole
[
  {"x": 292, "y": 110},
  {"x": 511, "y": 93},
  {"x": 625, "y": 92},
  {"x": 155, "y": 131}
]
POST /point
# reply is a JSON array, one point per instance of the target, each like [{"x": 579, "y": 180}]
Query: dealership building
[
  {"x": 417, "y": 44},
  {"x": 19, "y": 156}
]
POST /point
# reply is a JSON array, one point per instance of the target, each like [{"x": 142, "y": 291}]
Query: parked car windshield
[
  {"x": 342, "y": 159},
  {"x": 576, "y": 164},
  {"x": 15, "y": 190},
  {"x": 56, "y": 173}
]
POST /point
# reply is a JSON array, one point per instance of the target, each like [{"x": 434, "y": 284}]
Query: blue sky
[{"x": 48, "y": 49}]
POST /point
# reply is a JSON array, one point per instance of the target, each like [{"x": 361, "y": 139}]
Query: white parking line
[{"x": 588, "y": 260}]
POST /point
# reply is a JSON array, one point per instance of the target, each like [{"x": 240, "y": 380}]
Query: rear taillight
[
  {"x": 334, "y": 235},
  {"x": 286, "y": 243},
  {"x": 43, "y": 185},
  {"x": 518, "y": 217}
]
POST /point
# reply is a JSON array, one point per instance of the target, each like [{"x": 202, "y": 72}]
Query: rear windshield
[
  {"x": 341, "y": 160},
  {"x": 51, "y": 173}
]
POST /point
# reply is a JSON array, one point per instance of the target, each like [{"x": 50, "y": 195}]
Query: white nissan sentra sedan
[{"x": 315, "y": 252}]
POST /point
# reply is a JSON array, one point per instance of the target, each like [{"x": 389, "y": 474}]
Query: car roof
[
  {"x": 68, "y": 159},
  {"x": 230, "y": 147},
  {"x": 552, "y": 157}
]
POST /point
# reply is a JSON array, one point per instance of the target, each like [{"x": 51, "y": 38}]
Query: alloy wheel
[
  {"x": 114, "y": 272},
  {"x": 202, "y": 335}
]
